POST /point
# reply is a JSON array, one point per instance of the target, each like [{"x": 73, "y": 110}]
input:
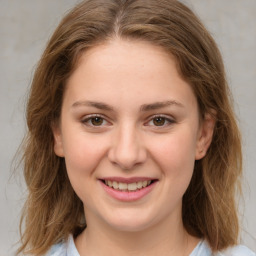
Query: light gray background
[{"x": 25, "y": 26}]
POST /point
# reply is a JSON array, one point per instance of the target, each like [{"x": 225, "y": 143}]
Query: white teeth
[
  {"x": 122, "y": 186},
  {"x": 115, "y": 185},
  {"x": 127, "y": 186},
  {"x": 144, "y": 184},
  {"x": 139, "y": 184},
  {"x": 132, "y": 186}
]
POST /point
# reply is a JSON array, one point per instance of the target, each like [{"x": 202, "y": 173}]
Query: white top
[{"x": 202, "y": 249}]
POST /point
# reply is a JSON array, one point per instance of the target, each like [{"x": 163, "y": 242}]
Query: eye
[
  {"x": 97, "y": 121},
  {"x": 160, "y": 121},
  {"x": 94, "y": 121}
]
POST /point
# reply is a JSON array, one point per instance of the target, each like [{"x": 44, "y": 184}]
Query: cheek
[
  {"x": 82, "y": 154},
  {"x": 176, "y": 154}
]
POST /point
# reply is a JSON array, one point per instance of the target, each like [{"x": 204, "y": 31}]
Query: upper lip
[{"x": 127, "y": 180}]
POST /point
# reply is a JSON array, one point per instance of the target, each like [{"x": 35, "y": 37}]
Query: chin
[{"x": 130, "y": 222}]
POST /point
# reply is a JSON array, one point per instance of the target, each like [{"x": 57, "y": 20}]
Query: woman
[{"x": 133, "y": 148}]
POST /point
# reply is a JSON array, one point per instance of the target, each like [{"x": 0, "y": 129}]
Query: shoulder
[
  {"x": 239, "y": 250},
  {"x": 64, "y": 248},
  {"x": 58, "y": 250},
  {"x": 203, "y": 249}
]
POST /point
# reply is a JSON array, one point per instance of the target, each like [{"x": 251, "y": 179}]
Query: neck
[{"x": 161, "y": 239}]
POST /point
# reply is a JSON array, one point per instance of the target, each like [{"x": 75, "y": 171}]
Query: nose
[{"x": 127, "y": 149}]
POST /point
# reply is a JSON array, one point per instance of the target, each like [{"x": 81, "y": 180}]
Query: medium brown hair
[{"x": 53, "y": 210}]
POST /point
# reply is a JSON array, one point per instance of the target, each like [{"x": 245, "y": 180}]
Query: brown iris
[
  {"x": 159, "y": 121},
  {"x": 97, "y": 121}
]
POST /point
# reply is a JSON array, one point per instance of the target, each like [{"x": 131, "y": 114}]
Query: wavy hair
[{"x": 53, "y": 210}]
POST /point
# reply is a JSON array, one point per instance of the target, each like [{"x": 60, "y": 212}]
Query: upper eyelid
[
  {"x": 167, "y": 117},
  {"x": 162, "y": 115},
  {"x": 91, "y": 116},
  {"x": 170, "y": 121}
]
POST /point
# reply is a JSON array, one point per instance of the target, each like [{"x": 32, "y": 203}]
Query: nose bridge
[{"x": 127, "y": 147}]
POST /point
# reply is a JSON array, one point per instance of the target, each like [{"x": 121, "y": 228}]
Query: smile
[
  {"x": 128, "y": 189},
  {"x": 127, "y": 186}
]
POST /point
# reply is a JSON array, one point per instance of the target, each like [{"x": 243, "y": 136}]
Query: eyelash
[
  {"x": 167, "y": 121},
  {"x": 89, "y": 119}
]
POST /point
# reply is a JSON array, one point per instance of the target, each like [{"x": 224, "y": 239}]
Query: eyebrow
[
  {"x": 143, "y": 108},
  {"x": 98, "y": 105},
  {"x": 158, "y": 105}
]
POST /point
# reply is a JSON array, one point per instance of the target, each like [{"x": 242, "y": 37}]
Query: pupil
[
  {"x": 97, "y": 121},
  {"x": 159, "y": 121}
]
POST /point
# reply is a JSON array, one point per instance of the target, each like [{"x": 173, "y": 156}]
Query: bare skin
[{"x": 128, "y": 115}]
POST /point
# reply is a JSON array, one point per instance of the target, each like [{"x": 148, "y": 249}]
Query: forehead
[
  {"x": 127, "y": 69},
  {"x": 120, "y": 53}
]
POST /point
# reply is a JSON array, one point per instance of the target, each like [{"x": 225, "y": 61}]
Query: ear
[
  {"x": 58, "y": 143},
  {"x": 205, "y": 134}
]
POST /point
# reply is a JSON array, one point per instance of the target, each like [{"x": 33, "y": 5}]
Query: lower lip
[{"x": 128, "y": 196}]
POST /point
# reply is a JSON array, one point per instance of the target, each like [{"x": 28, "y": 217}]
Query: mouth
[{"x": 126, "y": 187}]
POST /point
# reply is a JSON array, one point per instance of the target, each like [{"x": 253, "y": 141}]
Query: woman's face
[{"x": 130, "y": 134}]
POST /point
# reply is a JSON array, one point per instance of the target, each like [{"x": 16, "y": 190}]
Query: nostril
[{"x": 126, "y": 152}]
